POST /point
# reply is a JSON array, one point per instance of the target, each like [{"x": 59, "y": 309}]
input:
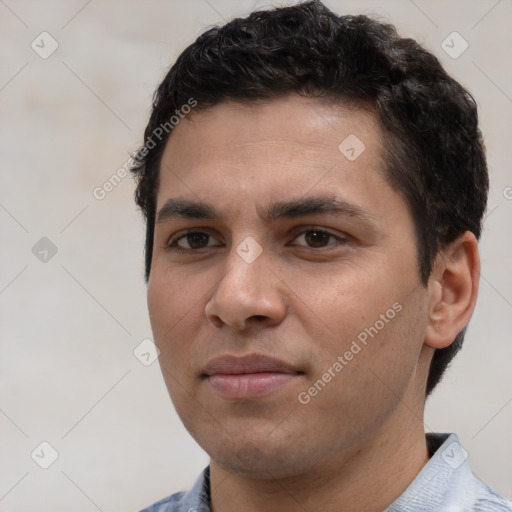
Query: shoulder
[
  {"x": 179, "y": 502},
  {"x": 447, "y": 484},
  {"x": 173, "y": 503},
  {"x": 197, "y": 499},
  {"x": 487, "y": 499},
  {"x": 464, "y": 490}
]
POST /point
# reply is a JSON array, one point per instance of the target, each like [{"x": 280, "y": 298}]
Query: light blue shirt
[{"x": 445, "y": 484}]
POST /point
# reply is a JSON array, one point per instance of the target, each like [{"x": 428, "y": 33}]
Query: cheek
[
  {"x": 336, "y": 304},
  {"x": 364, "y": 329},
  {"x": 171, "y": 299},
  {"x": 161, "y": 308},
  {"x": 358, "y": 384},
  {"x": 171, "y": 314},
  {"x": 376, "y": 358}
]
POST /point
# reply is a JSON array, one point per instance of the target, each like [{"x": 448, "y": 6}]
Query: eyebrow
[{"x": 188, "y": 209}]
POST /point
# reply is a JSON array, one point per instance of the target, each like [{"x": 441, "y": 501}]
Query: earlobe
[{"x": 453, "y": 289}]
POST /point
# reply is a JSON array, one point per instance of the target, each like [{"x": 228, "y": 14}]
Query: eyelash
[{"x": 173, "y": 244}]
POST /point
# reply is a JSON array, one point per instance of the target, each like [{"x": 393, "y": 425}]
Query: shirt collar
[
  {"x": 445, "y": 483},
  {"x": 197, "y": 499}
]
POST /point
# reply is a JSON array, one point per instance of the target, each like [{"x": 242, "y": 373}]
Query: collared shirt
[{"x": 445, "y": 484}]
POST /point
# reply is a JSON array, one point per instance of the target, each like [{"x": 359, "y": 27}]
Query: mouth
[{"x": 252, "y": 376}]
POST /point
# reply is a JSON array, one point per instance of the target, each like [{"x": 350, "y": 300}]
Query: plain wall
[{"x": 70, "y": 324}]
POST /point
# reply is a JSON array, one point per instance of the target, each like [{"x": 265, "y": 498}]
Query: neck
[{"x": 369, "y": 476}]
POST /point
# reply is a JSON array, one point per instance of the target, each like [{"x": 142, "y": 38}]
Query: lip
[{"x": 247, "y": 377}]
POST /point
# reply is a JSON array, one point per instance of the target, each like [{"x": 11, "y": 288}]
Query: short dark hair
[{"x": 434, "y": 152}]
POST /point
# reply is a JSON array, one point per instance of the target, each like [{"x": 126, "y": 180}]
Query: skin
[{"x": 360, "y": 441}]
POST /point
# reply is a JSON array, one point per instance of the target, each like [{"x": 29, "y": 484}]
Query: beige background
[{"x": 70, "y": 325}]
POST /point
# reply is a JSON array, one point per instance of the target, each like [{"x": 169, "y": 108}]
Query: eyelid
[
  {"x": 302, "y": 230},
  {"x": 299, "y": 231},
  {"x": 172, "y": 243}
]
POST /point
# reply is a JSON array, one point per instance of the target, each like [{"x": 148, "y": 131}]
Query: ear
[{"x": 452, "y": 288}]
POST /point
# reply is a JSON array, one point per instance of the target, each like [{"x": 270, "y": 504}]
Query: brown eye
[
  {"x": 197, "y": 240},
  {"x": 192, "y": 240},
  {"x": 316, "y": 238}
]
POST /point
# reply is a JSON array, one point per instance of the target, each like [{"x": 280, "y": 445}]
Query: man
[{"x": 314, "y": 188}]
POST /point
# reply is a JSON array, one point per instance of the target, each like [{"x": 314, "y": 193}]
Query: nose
[{"x": 248, "y": 294}]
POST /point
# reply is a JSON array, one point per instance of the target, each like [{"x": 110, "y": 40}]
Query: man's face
[{"x": 306, "y": 287}]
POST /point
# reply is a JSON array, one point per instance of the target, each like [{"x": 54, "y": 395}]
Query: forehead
[
  {"x": 265, "y": 150},
  {"x": 288, "y": 120}
]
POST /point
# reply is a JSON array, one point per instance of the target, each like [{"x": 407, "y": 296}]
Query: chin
[{"x": 259, "y": 460}]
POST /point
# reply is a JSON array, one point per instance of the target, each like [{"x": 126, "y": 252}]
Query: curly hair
[{"x": 434, "y": 152}]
